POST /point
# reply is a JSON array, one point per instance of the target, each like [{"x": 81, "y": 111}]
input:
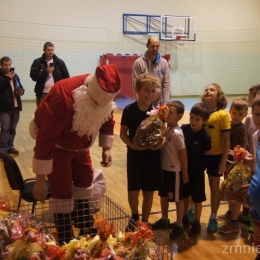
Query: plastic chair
[{"x": 17, "y": 182}]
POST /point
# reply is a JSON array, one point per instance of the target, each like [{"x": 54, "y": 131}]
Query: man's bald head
[
  {"x": 153, "y": 45},
  {"x": 153, "y": 39}
]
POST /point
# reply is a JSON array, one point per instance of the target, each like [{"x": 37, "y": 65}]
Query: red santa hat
[{"x": 105, "y": 84}]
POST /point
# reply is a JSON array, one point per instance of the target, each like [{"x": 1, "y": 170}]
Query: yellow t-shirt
[{"x": 218, "y": 122}]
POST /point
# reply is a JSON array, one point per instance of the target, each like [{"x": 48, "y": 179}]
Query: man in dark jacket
[
  {"x": 10, "y": 104},
  {"x": 46, "y": 71}
]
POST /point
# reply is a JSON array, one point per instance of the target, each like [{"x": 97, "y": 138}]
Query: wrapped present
[
  {"x": 240, "y": 174},
  {"x": 152, "y": 130},
  {"x": 35, "y": 244},
  {"x": 108, "y": 245}
]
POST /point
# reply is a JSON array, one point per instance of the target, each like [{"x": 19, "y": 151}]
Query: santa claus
[{"x": 65, "y": 125}]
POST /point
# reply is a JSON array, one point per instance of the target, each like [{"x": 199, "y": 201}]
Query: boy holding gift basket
[
  {"x": 238, "y": 136},
  {"x": 143, "y": 159}
]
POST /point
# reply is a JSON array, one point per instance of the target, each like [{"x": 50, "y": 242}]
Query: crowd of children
[{"x": 189, "y": 151}]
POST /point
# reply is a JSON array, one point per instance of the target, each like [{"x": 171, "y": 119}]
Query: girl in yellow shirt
[{"x": 218, "y": 127}]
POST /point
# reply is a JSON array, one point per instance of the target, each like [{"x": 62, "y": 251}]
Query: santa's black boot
[
  {"x": 64, "y": 227},
  {"x": 83, "y": 220}
]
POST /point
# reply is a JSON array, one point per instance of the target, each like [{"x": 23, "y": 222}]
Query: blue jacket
[{"x": 7, "y": 94}]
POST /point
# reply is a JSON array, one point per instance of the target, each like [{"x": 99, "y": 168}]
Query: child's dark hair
[
  {"x": 256, "y": 102},
  {"x": 254, "y": 89},
  {"x": 142, "y": 78},
  {"x": 201, "y": 109},
  {"x": 221, "y": 99},
  {"x": 178, "y": 105},
  {"x": 239, "y": 103}
]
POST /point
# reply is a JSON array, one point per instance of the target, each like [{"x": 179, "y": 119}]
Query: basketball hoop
[{"x": 181, "y": 39}]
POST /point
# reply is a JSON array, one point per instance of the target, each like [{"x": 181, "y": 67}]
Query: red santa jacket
[{"x": 53, "y": 123}]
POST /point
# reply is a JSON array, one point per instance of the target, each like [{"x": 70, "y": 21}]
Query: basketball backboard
[{"x": 174, "y": 26}]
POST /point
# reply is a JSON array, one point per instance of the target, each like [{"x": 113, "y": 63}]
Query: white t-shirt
[
  {"x": 169, "y": 152},
  {"x": 49, "y": 80},
  {"x": 251, "y": 128}
]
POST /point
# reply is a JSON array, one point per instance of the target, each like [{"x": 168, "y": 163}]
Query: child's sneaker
[
  {"x": 131, "y": 226},
  {"x": 244, "y": 218},
  {"x": 161, "y": 224},
  {"x": 195, "y": 229},
  {"x": 185, "y": 220},
  {"x": 176, "y": 232},
  {"x": 225, "y": 216},
  {"x": 212, "y": 226},
  {"x": 229, "y": 227},
  {"x": 251, "y": 229},
  {"x": 191, "y": 215}
]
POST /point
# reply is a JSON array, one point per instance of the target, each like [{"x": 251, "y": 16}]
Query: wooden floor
[{"x": 206, "y": 246}]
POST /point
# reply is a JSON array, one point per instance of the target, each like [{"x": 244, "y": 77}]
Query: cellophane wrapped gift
[
  {"x": 28, "y": 239},
  {"x": 152, "y": 130},
  {"x": 108, "y": 245},
  {"x": 240, "y": 174}
]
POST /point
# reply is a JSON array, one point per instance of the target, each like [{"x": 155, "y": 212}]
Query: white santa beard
[{"x": 89, "y": 117}]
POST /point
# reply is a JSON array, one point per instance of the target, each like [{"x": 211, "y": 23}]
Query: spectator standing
[
  {"x": 11, "y": 91},
  {"x": 46, "y": 71},
  {"x": 152, "y": 63}
]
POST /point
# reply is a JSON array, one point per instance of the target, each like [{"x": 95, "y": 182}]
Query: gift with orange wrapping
[
  {"x": 152, "y": 130},
  {"x": 239, "y": 175}
]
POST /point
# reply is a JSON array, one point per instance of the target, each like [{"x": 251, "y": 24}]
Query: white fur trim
[
  {"x": 61, "y": 205},
  {"x": 97, "y": 93},
  {"x": 82, "y": 193},
  {"x": 106, "y": 140},
  {"x": 33, "y": 129},
  {"x": 42, "y": 167}
]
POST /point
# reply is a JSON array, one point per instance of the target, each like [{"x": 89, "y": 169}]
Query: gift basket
[
  {"x": 152, "y": 130},
  {"x": 24, "y": 236},
  {"x": 239, "y": 175}
]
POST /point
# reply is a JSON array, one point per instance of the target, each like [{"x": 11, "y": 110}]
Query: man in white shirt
[{"x": 46, "y": 71}]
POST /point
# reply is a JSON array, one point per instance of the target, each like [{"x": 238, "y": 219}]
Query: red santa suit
[{"x": 63, "y": 135}]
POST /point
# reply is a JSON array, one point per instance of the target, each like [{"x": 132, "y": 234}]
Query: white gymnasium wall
[
  {"x": 227, "y": 50},
  {"x": 210, "y": 14}
]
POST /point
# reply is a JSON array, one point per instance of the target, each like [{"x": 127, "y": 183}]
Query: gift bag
[
  {"x": 240, "y": 174},
  {"x": 152, "y": 130}
]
